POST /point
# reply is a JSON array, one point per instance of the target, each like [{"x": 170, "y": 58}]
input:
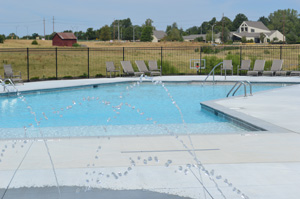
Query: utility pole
[
  {"x": 114, "y": 30},
  {"x": 223, "y": 28},
  {"x": 212, "y": 34},
  {"x": 53, "y": 23},
  {"x": 133, "y": 32},
  {"x": 283, "y": 27},
  {"x": 44, "y": 29}
]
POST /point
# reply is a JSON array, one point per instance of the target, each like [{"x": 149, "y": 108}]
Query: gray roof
[
  {"x": 257, "y": 24},
  {"x": 192, "y": 37},
  {"x": 270, "y": 33},
  {"x": 246, "y": 34},
  {"x": 159, "y": 34}
]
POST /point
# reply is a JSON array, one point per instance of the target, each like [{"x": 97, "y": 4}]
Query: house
[
  {"x": 193, "y": 37},
  {"x": 64, "y": 39},
  {"x": 217, "y": 38},
  {"x": 158, "y": 35},
  {"x": 253, "y": 30}
]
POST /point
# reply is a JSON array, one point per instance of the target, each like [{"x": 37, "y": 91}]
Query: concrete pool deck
[{"x": 261, "y": 165}]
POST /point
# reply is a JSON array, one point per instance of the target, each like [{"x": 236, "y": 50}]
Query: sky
[{"x": 26, "y": 17}]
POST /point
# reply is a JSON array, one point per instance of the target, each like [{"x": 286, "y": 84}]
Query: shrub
[
  {"x": 34, "y": 42},
  {"x": 34, "y": 79},
  {"x": 167, "y": 68},
  {"x": 211, "y": 61},
  {"x": 76, "y": 45},
  {"x": 235, "y": 60},
  {"x": 268, "y": 64},
  {"x": 210, "y": 50},
  {"x": 84, "y": 75},
  {"x": 99, "y": 75},
  {"x": 51, "y": 78},
  {"x": 199, "y": 39},
  {"x": 68, "y": 77}
]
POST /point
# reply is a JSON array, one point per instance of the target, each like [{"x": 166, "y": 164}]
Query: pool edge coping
[{"x": 241, "y": 118}]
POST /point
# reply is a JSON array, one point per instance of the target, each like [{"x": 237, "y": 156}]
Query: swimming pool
[{"x": 116, "y": 109}]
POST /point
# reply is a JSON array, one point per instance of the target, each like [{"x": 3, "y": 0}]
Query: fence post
[
  {"x": 88, "y": 50},
  {"x": 123, "y": 53},
  {"x": 56, "y": 62},
  {"x": 200, "y": 59},
  {"x": 28, "y": 64},
  {"x": 161, "y": 59},
  {"x": 280, "y": 52},
  {"x": 240, "y": 57}
]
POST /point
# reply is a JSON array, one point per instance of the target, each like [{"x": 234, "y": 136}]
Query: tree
[
  {"x": 2, "y": 38},
  {"x": 105, "y": 34},
  {"x": 244, "y": 39},
  {"x": 193, "y": 30},
  {"x": 264, "y": 20},
  {"x": 239, "y": 19},
  {"x": 199, "y": 39},
  {"x": 228, "y": 23},
  {"x": 226, "y": 35},
  {"x": 209, "y": 36},
  {"x": 148, "y": 22},
  {"x": 173, "y": 33},
  {"x": 90, "y": 34},
  {"x": 147, "y": 33},
  {"x": 289, "y": 20},
  {"x": 262, "y": 37}
]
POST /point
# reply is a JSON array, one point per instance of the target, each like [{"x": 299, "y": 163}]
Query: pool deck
[{"x": 262, "y": 165}]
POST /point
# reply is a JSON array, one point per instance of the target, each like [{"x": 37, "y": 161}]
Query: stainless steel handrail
[
  {"x": 240, "y": 83},
  {"x": 213, "y": 71},
  {"x": 10, "y": 83}
]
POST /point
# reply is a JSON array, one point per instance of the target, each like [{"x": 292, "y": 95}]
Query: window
[
  {"x": 252, "y": 30},
  {"x": 246, "y": 29},
  {"x": 242, "y": 29}
]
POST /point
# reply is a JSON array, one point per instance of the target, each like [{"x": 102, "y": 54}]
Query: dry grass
[
  {"x": 12, "y": 43},
  {"x": 74, "y": 61}
]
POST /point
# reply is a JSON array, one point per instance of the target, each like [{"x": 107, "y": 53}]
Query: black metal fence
[{"x": 66, "y": 63}]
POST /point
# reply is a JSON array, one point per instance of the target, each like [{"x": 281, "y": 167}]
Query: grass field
[{"x": 45, "y": 61}]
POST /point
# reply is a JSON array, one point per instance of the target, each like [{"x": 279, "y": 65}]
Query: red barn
[{"x": 64, "y": 39}]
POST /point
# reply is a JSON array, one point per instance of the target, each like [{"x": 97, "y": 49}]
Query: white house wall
[{"x": 277, "y": 34}]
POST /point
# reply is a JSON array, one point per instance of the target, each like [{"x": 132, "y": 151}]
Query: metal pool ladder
[
  {"x": 213, "y": 71},
  {"x": 238, "y": 85},
  {"x": 5, "y": 87}
]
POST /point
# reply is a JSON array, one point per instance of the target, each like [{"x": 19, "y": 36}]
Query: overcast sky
[{"x": 22, "y": 17}]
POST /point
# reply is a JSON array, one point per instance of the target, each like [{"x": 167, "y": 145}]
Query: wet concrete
[{"x": 82, "y": 193}]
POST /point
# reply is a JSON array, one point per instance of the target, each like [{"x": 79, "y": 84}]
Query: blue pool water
[{"x": 116, "y": 109}]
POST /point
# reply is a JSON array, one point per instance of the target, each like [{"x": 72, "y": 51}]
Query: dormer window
[
  {"x": 242, "y": 29},
  {"x": 246, "y": 29},
  {"x": 252, "y": 30}
]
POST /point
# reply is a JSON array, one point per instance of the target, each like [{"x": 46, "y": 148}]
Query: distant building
[
  {"x": 64, "y": 39},
  {"x": 158, "y": 35},
  {"x": 252, "y": 30},
  {"x": 217, "y": 38}
]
